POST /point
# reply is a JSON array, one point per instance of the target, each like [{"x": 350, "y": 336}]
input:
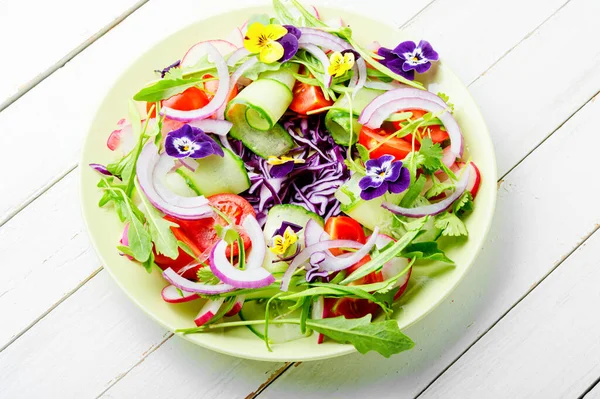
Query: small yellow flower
[
  {"x": 280, "y": 161},
  {"x": 262, "y": 39},
  {"x": 281, "y": 244},
  {"x": 340, "y": 64}
]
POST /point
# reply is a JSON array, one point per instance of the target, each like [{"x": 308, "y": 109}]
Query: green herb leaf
[
  {"x": 306, "y": 306},
  {"x": 432, "y": 155},
  {"x": 166, "y": 88},
  {"x": 464, "y": 204},
  {"x": 438, "y": 187},
  {"x": 425, "y": 250},
  {"x": 125, "y": 250},
  {"x": 384, "y": 337},
  {"x": 260, "y": 67},
  {"x": 284, "y": 14},
  {"x": 140, "y": 241},
  {"x": 413, "y": 192},
  {"x": 363, "y": 152},
  {"x": 206, "y": 276},
  {"x": 149, "y": 263},
  {"x": 451, "y": 225}
]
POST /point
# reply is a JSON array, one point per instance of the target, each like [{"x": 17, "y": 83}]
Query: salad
[{"x": 289, "y": 180}]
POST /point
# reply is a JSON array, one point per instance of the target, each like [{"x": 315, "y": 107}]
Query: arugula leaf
[
  {"x": 382, "y": 258},
  {"x": 166, "y": 88},
  {"x": 125, "y": 250},
  {"x": 149, "y": 263},
  {"x": 186, "y": 248},
  {"x": 451, "y": 225},
  {"x": 464, "y": 204},
  {"x": 160, "y": 229},
  {"x": 384, "y": 337},
  {"x": 425, "y": 250},
  {"x": 387, "y": 296},
  {"x": 363, "y": 152},
  {"x": 206, "y": 276},
  {"x": 140, "y": 241},
  {"x": 413, "y": 192}
]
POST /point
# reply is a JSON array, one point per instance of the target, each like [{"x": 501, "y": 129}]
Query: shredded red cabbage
[{"x": 311, "y": 184}]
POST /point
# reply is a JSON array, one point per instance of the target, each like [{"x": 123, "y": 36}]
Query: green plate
[{"x": 425, "y": 291}]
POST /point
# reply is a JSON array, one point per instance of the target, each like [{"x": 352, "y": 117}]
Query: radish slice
[
  {"x": 121, "y": 137},
  {"x": 125, "y": 240},
  {"x": 337, "y": 263},
  {"x": 318, "y": 313},
  {"x": 237, "y": 55},
  {"x": 220, "y": 96},
  {"x": 198, "y": 50},
  {"x": 208, "y": 311},
  {"x": 313, "y": 10},
  {"x": 191, "y": 208},
  {"x": 393, "y": 267},
  {"x": 237, "y": 306},
  {"x": 433, "y": 209},
  {"x": 393, "y": 101},
  {"x": 190, "y": 286},
  {"x": 254, "y": 276},
  {"x": 172, "y": 294},
  {"x": 236, "y": 37},
  {"x": 474, "y": 179},
  {"x": 323, "y": 59},
  {"x": 305, "y": 255},
  {"x": 216, "y": 126},
  {"x": 448, "y": 159}
]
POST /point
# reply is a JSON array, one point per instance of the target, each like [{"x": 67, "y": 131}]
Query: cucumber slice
[
  {"x": 368, "y": 213},
  {"x": 266, "y": 100},
  {"x": 289, "y": 213},
  {"x": 179, "y": 185},
  {"x": 431, "y": 233},
  {"x": 283, "y": 75},
  {"x": 278, "y": 333},
  {"x": 337, "y": 120},
  {"x": 216, "y": 175}
]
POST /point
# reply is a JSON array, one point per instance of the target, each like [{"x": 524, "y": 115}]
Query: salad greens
[{"x": 233, "y": 187}]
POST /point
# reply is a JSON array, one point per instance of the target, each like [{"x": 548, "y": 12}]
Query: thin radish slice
[
  {"x": 305, "y": 255},
  {"x": 393, "y": 101},
  {"x": 236, "y": 37},
  {"x": 145, "y": 173},
  {"x": 220, "y": 96},
  {"x": 337, "y": 263},
  {"x": 216, "y": 126},
  {"x": 335, "y": 23},
  {"x": 433, "y": 209},
  {"x": 198, "y": 50},
  {"x": 237, "y": 55},
  {"x": 172, "y": 294},
  {"x": 237, "y": 306},
  {"x": 190, "y": 286},
  {"x": 474, "y": 179},
  {"x": 254, "y": 276},
  {"x": 121, "y": 138},
  {"x": 394, "y": 267},
  {"x": 208, "y": 311},
  {"x": 125, "y": 240},
  {"x": 448, "y": 159},
  {"x": 373, "y": 46},
  {"x": 323, "y": 59},
  {"x": 313, "y": 10},
  {"x": 318, "y": 313}
]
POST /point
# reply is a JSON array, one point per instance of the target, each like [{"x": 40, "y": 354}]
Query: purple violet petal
[
  {"x": 378, "y": 163},
  {"x": 386, "y": 53},
  {"x": 349, "y": 50},
  {"x": 401, "y": 184},
  {"x": 404, "y": 47},
  {"x": 282, "y": 170},
  {"x": 397, "y": 65},
  {"x": 422, "y": 68},
  {"x": 369, "y": 182},
  {"x": 372, "y": 193},
  {"x": 428, "y": 51},
  {"x": 290, "y": 47},
  {"x": 293, "y": 30},
  {"x": 284, "y": 225},
  {"x": 393, "y": 172}
]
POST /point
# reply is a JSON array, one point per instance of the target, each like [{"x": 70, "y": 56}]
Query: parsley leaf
[
  {"x": 464, "y": 204},
  {"x": 432, "y": 155},
  {"x": 446, "y": 99},
  {"x": 438, "y": 187},
  {"x": 206, "y": 276},
  {"x": 425, "y": 250},
  {"x": 451, "y": 225}
]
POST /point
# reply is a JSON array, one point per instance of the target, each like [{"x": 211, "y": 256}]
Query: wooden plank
[
  {"x": 546, "y": 347},
  {"x": 529, "y": 237},
  {"x": 40, "y": 36},
  {"x": 95, "y": 337},
  {"x": 44, "y": 254}
]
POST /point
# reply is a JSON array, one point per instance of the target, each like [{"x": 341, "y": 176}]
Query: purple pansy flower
[
  {"x": 383, "y": 175},
  {"x": 289, "y": 42},
  {"x": 164, "y": 71},
  {"x": 409, "y": 57},
  {"x": 284, "y": 225},
  {"x": 189, "y": 141}
]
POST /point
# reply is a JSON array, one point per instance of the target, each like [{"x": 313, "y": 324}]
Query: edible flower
[
  {"x": 408, "y": 57},
  {"x": 340, "y": 63},
  {"x": 164, "y": 71},
  {"x": 383, "y": 175},
  {"x": 283, "y": 166},
  {"x": 281, "y": 242},
  {"x": 284, "y": 226},
  {"x": 189, "y": 141},
  {"x": 272, "y": 42}
]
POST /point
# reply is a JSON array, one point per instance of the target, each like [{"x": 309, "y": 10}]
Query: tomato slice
[
  {"x": 398, "y": 148},
  {"x": 212, "y": 86},
  {"x": 190, "y": 99},
  {"x": 345, "y": 228},
  {"x": 435, "y": 132},
  {"x": 308, "y": 98},
  {"x": 200, "y": 235}
]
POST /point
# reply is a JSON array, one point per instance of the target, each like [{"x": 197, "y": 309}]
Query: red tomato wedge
[
  {"x": 308, "y": 98},
  {"x": 435, "y": 132},
  {"x": 191, "y": 99},
  {"x": 344, "y": 227},
  {"x": 371, "y": 139}
]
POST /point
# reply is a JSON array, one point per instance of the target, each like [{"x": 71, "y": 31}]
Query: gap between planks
[{"x": 68, "y": 57}]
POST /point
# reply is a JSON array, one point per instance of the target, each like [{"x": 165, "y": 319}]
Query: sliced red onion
[
  {"x": 217, "y": 101},
  {"x": 314, "y": 233},
  {"x": 190, "y": 286},
  {"x": 433, "y": 209},
  {"x": 172, "y": 294},
  {"x": 145, "y": 172},
  {"x": 237, "y": 55},
  {"x": 189, "y": 163},
  {"x": 100, "y": 169},
  {"x": 216, "y": 126},
  {"x": 323, "y": 59},
  {"x": 448, "y": 159},
  {"x": 361, "y": 72},
  {"x": 254, "y": 276},
  {"x": 164, "y": 165},
  {"x": 337, "y": 263},
  {"x": 237, "y": 306},
  {"x": 393, "y": 101},
  {"x": 208, "y": 311},
  {"x": 305, "y": 255},
  {"x": 322, "y": 39},
  {"x": 233, "y": 81},
  {"x": 198, "y": 50}
]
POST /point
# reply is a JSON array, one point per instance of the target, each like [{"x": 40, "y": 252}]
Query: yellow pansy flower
[
  {"x": 280, "y": 161},
  {"x": 281, "y": 244},
  {"x": 262, "y": 39},
  {"x": 340, "y": 63}
]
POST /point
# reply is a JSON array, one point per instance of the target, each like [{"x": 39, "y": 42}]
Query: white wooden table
[{"x": 523, "y": 324}]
